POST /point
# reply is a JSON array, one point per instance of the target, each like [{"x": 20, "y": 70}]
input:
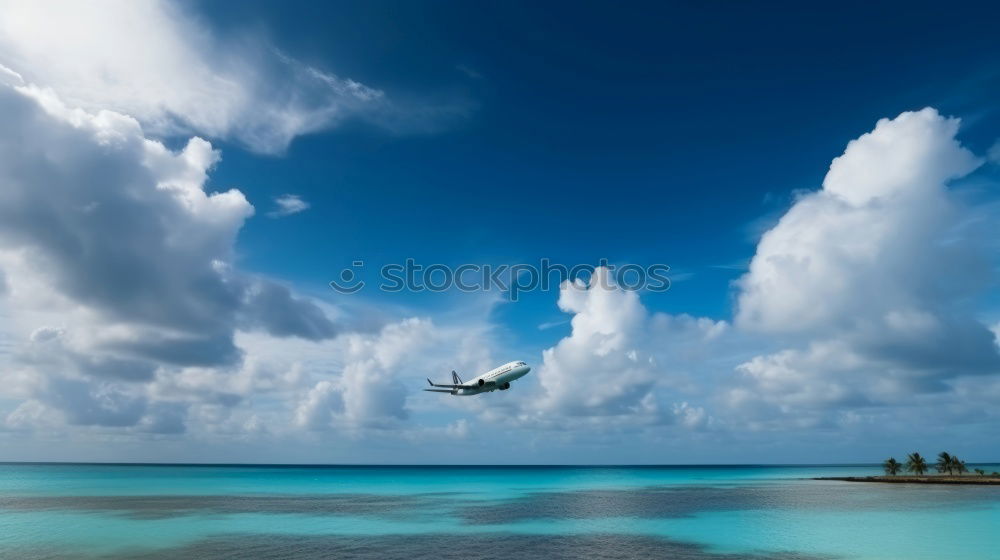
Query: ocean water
[{"x": 704, "y": 513}]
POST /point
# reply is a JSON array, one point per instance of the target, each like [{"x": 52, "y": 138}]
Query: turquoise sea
[{"x": 678, "y": 512}]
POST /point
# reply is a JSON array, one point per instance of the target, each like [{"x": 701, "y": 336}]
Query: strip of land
[{"x": 907, "y": 479}]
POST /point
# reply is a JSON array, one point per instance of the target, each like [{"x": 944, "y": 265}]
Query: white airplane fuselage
[
  {"x": 493, "y": 380},
  {"x": 501, "y": 375}
]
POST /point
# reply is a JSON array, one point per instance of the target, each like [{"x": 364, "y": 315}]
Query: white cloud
[
  {"x": 316, "y": 411},
  {"x": 458, "y": 429},
  {"x": 123, "y": 309},
  {"x": 599, "y": 359},
  {"x": 288, "y": 204},
  {"x": 162, "y": 66},
  {"x": 380, "y": 371},
  {"x": 692, "y": 417},
  {"x": 620, "y": 361},
  {"x": 94, "y": 403},
  {"x": 128, "y": 313},
  {"x": 874, "y": 275},
  {"x": 118, "y": 263},
  {"x": 859, "y": 246},
  {"x": 994, "y": 152}
]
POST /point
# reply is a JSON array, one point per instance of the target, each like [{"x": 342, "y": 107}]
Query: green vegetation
[
  {"x": 916, "y": 464},
  {"x": 944, "y": 463},
  {"x": 916, "y": 467},
  {"x": 950, "y": 464},
  {"x": 949, "y": 467}
]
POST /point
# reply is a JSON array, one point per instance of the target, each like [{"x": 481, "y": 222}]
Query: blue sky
[
  {"x": 683, "y": 130},
  {"x": 455, "y": 132}
]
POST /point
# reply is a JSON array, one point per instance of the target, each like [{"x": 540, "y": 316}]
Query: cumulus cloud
[
  {"x": 94, "y": 403},
  {"x": 276, "y": 310},
  {"x": 128, "y": 312},
  {"x": 118, "y": 260},
  {"x": 380, "y": 370},
  {"x": 862, "y": 240},
  {"x": 601, "y": 355},
  {"x": 692, "y": 417},
  {"x": 123, "y": 308},
  {"x": 873, "y": 275},
  {"x": 160, "y": 65},
  {"x": 367, "y": 391},
  {"x": 288, "y": 204},
  {"x": 620, "y": 360}
]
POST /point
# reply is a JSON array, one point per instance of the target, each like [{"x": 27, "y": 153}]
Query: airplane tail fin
[{"x": 455, "y": 378}]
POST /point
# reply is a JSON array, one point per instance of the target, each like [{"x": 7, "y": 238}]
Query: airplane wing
[
  {"x": 438, "y": 390},
  {"x": 460, "y": 386},
  {"x": 432, "y": 384}
]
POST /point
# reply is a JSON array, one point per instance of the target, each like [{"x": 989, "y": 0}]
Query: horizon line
[{"x": 456, "y": 465}]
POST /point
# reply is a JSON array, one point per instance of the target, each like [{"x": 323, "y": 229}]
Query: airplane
[{"x": 498, "y": 378}]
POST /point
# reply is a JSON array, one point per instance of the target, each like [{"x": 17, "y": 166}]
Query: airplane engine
[
  {"x": 505, "y": 386},
  {"x": 482, "y": 382}
]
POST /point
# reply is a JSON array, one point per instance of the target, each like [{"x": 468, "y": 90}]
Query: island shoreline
[{"x": 904, "y": 479}]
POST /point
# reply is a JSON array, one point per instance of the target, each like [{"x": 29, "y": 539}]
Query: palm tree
[
  {"x": 892, "y": 466},
  {"x": 916, "y": 464},
  {"x": 945, "y": 462},
  {"x": 958, "y": 465}
]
